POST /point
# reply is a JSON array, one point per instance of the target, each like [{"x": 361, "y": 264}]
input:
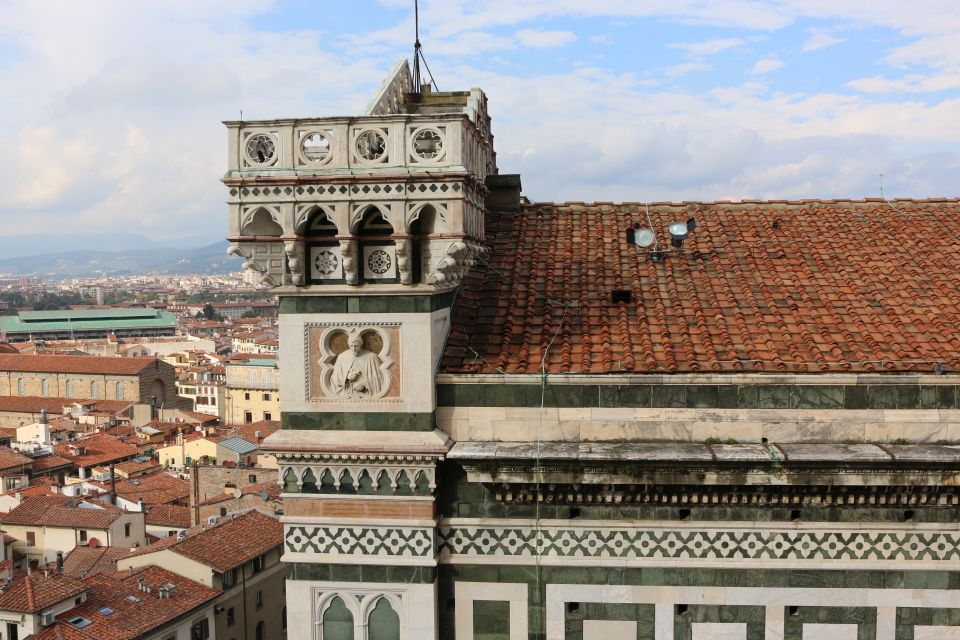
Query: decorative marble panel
[
  {"x": 696, "y": 544},
  {"x": 382, "y": 542}
]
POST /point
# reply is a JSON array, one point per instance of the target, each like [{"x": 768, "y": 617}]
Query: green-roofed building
[{"x": 73, "y": 324}]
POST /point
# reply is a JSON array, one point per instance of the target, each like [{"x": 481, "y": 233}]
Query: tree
[{"x": 208, "y": 311}]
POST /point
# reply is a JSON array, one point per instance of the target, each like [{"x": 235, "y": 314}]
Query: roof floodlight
[
  {"x": 691, "y": 224},
  {"x": 644, "y": 237},
  {"x": 938, "y": 369},
  {"x": 678, "y": 233}
]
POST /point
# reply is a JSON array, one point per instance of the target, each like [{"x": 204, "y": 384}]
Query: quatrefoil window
[
  {"x": 428, "y": 144},
  {"x": 371, "y": 145},
  {"x": 261, "y": 149}
]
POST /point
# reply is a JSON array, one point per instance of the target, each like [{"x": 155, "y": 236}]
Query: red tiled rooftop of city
[
  {"x": 97, "y": 449},
  {"x": 30, "y": 593},
  {"x": 58, "y": 510},
  {"x": 169, "y": 515},
  {"x": 247, "y": 535},
  {"x": 800, "y": 286},
  {"x": 128, "y": 619},
  {"x": 74, "y": 364}
]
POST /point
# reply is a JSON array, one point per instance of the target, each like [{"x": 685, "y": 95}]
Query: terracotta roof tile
[
  {"x": 34, "y": 592},
  {"x": 808, "y": 286},
  {"x": 169, "y": 515},
  {"x": 97, "y": 449},
  {"x": 58, "y": 510},
  {"x": 129, "y": 619},
  {"x": 10, "y": 459},
  {"x": 55, "y": 406},
  {"x": 246, "y": 535},
  {"x": 43, "y": 464},
  {"x": 85, "y": 561},
  {"x": 74, "y": 364},
  {"x": 154, "y": 488}
]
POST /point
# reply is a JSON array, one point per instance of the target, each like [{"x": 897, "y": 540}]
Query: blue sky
[{"x": 111, "y": 109}]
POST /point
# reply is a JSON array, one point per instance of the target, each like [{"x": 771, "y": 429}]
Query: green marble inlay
[
  {"x": 753, "y": 616},
  {"x": 491, "y": 620},
  {"x": 864, "y": 617},
  {"x": 907, "y": 617},
  {"x": 351, "y": 421},
  {"x": 361, "y": 573},
  {"x": 578, "y": 612},
  {"x": 757, "y": 396}
]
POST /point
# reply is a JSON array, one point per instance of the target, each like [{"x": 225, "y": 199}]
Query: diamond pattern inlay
[
  {"x": 361, "y": 541},
  {"x": 698, "y": 544}
]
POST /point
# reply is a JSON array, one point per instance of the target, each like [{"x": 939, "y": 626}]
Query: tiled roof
[
  {"x": 154, "y": 488},
  {"x": 55, "y": 406},
  {"x": 86, "y": 561},
  {"x": 43, "y": 464},
  {"x": 129, "y": 619},
  {"x": 10, "y": 459},
  {"x": 58, "y": 510},
  {"x": 97, "y": 449},
  {"x": 38, "y": 487},
  {"x": 249, "y": 430},
  {"x": 808, "y": 286},
  {"x": 75, "y": 364},
  {"x": 133, "y": 466},
  {"x": 235, "y": 540},
  {"x": 169, "y": 515},
  {"x": 35, "y": 592}
]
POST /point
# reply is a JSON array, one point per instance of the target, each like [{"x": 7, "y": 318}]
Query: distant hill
[
  {"x": 34, "y": 244},
  {"x": 210, "y": 259}
]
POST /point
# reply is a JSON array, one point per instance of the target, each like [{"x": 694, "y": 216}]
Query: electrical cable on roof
[{"x": 889, "y": 204}]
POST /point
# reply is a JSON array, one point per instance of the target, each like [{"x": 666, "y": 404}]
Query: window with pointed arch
[
  {"x": 45, "y": 388},
  {"x": 336, "y": 622},
  {"x": 118, "y": 390},
  {"x": 94, "y": 390},
  {"x": 21, "y": 387},
  {"x": 377, "y": 248},
  {"x": 68, "y": 388},
  {"x": 383, "y": 622}
]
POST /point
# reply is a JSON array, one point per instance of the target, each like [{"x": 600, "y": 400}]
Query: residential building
[
  {"x": 204, "y": 387},
  {"x": 262, "y": 496},
  {"x": 164, "y": 520},
  {"x": 235, "y": 450},
  {"x": 20, "y": 410},
  {"x": 505, "y": 419},
  {"x": 141, "y": 380},
  {"x": 86, "y": 323},
  {"x": 252, "y": 390},
  {"x": 94, "y": 451},
  {"x": 186, "y": 450},
  {"x": 32, "y": 601},
  {"x": 150, "y": 603},
  {"x": 85, "y": 561},
  {"x": 238, "y": 556},
  {"x": 51, "y": 523},
  {"x": 15, "y": 469}
]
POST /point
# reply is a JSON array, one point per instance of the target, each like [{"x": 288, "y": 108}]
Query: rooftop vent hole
[{"x": 618, "y": 296}]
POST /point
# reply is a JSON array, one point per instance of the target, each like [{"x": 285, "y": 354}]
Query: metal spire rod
[
  {"x": 416, "y": 46},
  {"x": 418, "y": 53}
]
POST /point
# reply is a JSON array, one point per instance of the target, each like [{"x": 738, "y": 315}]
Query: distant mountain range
[
  {"x": 57, "y": 265},
  {"x": 33, "y": 244}
]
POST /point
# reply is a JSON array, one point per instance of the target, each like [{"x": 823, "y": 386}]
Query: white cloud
[
  {"x": 678, "y": 70},
  {"x": 707, "y": 47},
  {"x": 913, "y": 83},
  {"x": 537, "y": 39},
  {"x": 820, "y": 39},
  {"x": 767, "y": 65}
]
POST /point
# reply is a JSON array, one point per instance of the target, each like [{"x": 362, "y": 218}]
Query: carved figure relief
[{"x": 353, "y": 363}]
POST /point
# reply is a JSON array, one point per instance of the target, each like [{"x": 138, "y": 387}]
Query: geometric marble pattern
[
  {"x": 361, "y": 541},
  {"x": 634, "y": 542}
]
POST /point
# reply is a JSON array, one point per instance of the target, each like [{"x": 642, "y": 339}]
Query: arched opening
[
  {"x": 68, "y": 388},
  {"x": 378, "y": 251},
  {"x": 323, "y": 249},
  {"x": 158, "y": 390},
  {"x": 337, "y": 621},
  {"x": 383, "y": 623},
  {"x": 21, "y": 387},
  {"x": 118, "y": 391},
  {"x": 44, "y": 388},
  {"x": 94, "y": 390},
  {"x": 422, "y": 226},
  {"x": 261, "y": 630},
  {"x": 262, "y": 224}
]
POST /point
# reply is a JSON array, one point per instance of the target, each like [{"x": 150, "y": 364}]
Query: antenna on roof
[
  {"x": 889, "y": 204},
  {"x": 418, "y": 53}
]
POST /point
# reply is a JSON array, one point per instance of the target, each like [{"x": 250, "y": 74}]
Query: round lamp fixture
[
  {"x": 678, "y": 230},
  {"x": 644, "y": 237}
]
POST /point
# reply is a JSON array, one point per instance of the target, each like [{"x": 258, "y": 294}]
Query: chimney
[
  {"x": 237, "y": 492},
  {"x": 143, "y": 506},
  {"x": 59, "y": 561},
  {"x": 141, "y": 584},
  {"x": 43, "y": 416}
]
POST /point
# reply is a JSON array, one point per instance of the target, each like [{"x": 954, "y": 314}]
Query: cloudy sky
[{"x": 111, "y": 109}]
